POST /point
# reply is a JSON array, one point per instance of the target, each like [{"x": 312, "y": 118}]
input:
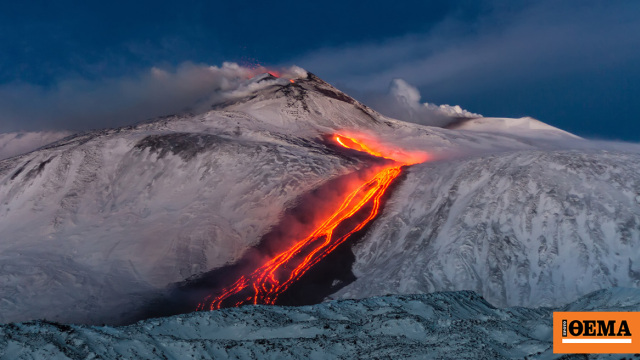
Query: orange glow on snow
[
  {"x": 360, "y": 143},
  {"x": 351, "y": 143},
  {"x": 269, "y": 281}
]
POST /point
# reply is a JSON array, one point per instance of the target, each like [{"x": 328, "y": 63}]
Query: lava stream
[{"x": 265, "y": 284}]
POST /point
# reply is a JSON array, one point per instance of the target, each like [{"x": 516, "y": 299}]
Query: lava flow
[{"x": 265, "y": 284}]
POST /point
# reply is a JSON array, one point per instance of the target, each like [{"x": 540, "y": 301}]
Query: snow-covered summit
[{"x": 525, "y": 126}]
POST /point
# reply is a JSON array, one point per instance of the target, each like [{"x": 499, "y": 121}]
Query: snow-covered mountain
[
  {"x": 526, "y": 127},
  {"x": 95, "y": 226},
  {"x": 117, "y": 215},
  {"x": 460, "y": 325}
]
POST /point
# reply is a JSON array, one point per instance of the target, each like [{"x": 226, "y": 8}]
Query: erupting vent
[{"x": 268, "y": 282}]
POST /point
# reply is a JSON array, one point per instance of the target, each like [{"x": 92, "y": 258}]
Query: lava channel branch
[{"x": 269, "y": 281}]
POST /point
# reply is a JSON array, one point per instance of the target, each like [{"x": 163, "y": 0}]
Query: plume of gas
[{"x": 81, "y": 104}]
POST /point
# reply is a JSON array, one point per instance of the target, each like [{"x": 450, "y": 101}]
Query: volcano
[{"x": 96, "y": 227}]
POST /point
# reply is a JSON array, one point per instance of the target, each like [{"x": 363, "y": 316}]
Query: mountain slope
[
  {"x": 434, "y": 326},
  {"x": 525, "y": 228},
  {"x": 145, "y": 210},
  {"x": 526, "y": 127}
]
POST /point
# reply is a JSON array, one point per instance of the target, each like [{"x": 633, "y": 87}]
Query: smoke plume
[
  {"x": 82, "y": 104},
  {"x": 403, "y": 102}
]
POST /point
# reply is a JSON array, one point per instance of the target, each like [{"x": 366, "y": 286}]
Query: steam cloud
[
  {"x": 403, "y": 102},
  {"x": 12, "y": 144}
]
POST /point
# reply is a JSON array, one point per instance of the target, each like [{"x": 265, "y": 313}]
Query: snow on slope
[
  {"x": 116, "y": 215},
  {"x": 523, "y": 228},
  {"x": 459, "y": 325},
  {"x": 526, "y": 126},
  {"x": 12, "y": 144}
]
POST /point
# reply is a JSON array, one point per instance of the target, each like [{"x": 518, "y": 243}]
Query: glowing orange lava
[
  {"x": 351, "y": 143},
  {"x": 265, "y": 284},
  {"x": 380, "y": 150}
]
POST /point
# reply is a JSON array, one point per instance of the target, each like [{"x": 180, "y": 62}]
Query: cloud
[
  {"x": 12, "y": 144},
  {"x": 402, "y": 101},
  {"x": 568, "y": 63},
  {"x": 80, "y": 104},
  {"x": 505, "y": 45}
]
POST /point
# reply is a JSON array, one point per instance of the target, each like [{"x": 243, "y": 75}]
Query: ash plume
[{"x": 80, "y": 104}]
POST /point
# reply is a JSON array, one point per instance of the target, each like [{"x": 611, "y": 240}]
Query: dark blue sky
[
  {"x": 573, "y": 64},
  {"x": 44, "y": 40}
]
